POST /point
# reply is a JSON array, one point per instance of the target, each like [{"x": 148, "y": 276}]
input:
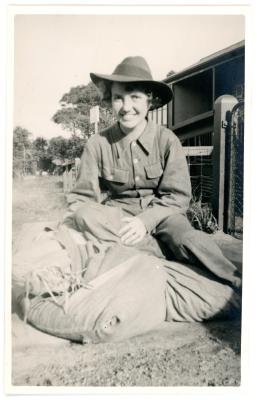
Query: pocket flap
[
  {"x": 120, "y": 175},
  {"x": 154, "y": 170},
  {"x": 116, "y": 175}
]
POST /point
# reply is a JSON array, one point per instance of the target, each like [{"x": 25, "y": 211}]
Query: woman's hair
[{"x": 105, "y": 88}]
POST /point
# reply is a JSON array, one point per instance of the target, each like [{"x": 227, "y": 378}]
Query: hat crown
[{"x": 134, "y": 67}]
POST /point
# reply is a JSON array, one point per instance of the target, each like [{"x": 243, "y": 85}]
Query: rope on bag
[{"x": 54, "y": 282}]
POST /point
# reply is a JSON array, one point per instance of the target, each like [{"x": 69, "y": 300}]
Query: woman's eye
[{"x": 116, "y": 97}]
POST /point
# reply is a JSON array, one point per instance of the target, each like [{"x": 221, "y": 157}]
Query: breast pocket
[
  {"x": 153, "y": 171},
  {"x": 115, "y": 175},
  {"x": 120, "y": 175}
]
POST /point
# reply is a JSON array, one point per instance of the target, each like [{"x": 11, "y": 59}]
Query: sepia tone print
[{"x": 128, "y": 149}]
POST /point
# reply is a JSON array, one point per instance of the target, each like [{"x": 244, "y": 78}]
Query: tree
[
  {"x": 40, "y": 155},
  {"x": 74, "y": 115},
  {"x": 82, "y": 95},
  {"x": 57, "y": 148},
  {"x": 73, "y": 120},
  {"x": 75, "y": 146},
  {"x": 22, "y": 157}
]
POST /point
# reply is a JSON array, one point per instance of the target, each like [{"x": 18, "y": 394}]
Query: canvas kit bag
[{"x": 90, "y": 291}]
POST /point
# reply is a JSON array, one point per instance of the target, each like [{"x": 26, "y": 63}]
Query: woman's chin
[{"x": 128, "y": 125}]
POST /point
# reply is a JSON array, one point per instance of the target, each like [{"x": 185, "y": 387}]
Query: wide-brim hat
[{"x": 133, "y": 69}]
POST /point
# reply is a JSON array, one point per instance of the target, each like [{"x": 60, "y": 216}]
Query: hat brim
[{"x": 160, "y": 89}]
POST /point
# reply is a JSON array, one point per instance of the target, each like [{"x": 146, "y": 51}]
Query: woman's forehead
[{"x": 121, "y": 87}]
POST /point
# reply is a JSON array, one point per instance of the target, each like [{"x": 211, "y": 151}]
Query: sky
[{"x": 53, "y": 53}]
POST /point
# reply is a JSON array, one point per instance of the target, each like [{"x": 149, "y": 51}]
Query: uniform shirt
[{"x": 147, "y": 177}]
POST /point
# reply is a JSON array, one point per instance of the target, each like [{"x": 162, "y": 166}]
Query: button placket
[{"x": 135, "y": 164}]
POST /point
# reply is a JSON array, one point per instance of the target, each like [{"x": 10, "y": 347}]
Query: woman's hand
[{"x": 133, "y": 231}]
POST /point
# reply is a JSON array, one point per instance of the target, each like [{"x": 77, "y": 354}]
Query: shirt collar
[{"x": 146, "y": 139}]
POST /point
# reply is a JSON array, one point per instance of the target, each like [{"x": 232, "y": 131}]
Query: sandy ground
[
  {"x": 175, "y": 354},
  {"x": 178, "y": 354}
]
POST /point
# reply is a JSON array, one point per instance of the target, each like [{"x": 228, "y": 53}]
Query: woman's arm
[{"x": 87, "y": 184}]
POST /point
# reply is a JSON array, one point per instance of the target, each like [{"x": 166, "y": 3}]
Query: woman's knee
[
  {"x": 85, "y": 215},
  {"x": 98, "y": 216},
  {"x": 176, "y": 229}
]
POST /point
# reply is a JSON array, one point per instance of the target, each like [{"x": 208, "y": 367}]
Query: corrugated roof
[{"x": 203, "y": 62}]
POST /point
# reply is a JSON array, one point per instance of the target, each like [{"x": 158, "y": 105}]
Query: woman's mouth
[{"x": 128, "y": 117}]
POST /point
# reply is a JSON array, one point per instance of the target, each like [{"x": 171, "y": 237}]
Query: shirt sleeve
[
  {"x": 174, "y": 191},
  {"x": 87, "y": 184}
]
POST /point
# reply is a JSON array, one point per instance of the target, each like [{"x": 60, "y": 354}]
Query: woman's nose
[{"x": 127, "y": 103}]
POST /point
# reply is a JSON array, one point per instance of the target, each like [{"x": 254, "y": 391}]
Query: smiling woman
[
  {"x": 130, "y": 107},
  {"x": 142, "y": 168}
]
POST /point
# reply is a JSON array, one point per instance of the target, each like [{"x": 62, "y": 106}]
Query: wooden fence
[{"x": 70, "y": 175}]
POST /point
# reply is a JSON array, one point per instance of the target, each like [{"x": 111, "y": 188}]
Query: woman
[{"x": 142, "y": 168}]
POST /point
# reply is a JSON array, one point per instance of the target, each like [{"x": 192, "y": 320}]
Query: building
[{"x": 191, "y": 115}]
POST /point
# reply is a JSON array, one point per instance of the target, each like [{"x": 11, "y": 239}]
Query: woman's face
[{"x": 130, "y": 107}]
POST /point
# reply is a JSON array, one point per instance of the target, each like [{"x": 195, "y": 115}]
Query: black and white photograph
[{"x": 127, "y": 180}]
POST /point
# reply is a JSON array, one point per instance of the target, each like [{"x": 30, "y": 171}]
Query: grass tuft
[{"x": 201, "y": 217}]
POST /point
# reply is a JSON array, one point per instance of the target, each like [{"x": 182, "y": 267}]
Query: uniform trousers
[{"x": 176, "y": 238}]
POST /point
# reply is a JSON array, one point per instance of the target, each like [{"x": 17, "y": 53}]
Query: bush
[{"x": 201, "y": 217}]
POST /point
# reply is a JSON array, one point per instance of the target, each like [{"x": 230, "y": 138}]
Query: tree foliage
[
  {"x": 75, "y": 146},
  {"x": 73, "y": 120},
  {"x": 31, "y": 156},
  {"x": 57, "y": 148},
  {"x": 22, "y": 156},
  {"x": 82, "y": 94},
  {"x": 74, "y": 117},
  {"x": 74, "y": 114},
  {"x": 40, "y": 154},
  {"x": 65, "y": 149}
]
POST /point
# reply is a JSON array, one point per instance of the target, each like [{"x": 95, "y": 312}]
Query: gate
[
  {"x": 235, "y": 160},
  {"x": 228, "y": 164}
]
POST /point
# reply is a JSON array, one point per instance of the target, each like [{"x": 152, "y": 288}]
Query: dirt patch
[{"x": 175, "y": 354}]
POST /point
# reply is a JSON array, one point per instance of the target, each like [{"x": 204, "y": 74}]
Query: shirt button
[
  {"x": 133, "y": 144},
  {"x": 111, "y": 177},
  {"x": 137, "y": 178},
  {"x": 135, "y": 160}
]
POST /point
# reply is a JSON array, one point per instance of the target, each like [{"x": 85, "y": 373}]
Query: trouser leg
[
  {"x": 100, "y": 221},
  {"x": 193, "y": 246},
  {"x": 100, "y": 226},
  {"x": 104, "y": 223}
]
